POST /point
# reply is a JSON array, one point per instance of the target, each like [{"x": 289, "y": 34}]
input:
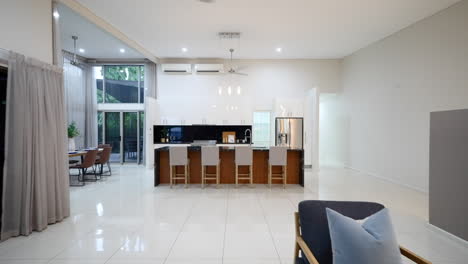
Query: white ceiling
[
  {"x": 302, "y": 28},
  {"x": 97, "y": 43}
]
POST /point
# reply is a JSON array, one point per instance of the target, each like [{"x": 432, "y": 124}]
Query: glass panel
[
  {"x": 112, "y": 127},
  {"x": 121, "y": 84},
  {"x": 142, "y": 84},
  {"x": 99, "y": 83},
  {"x": 100, "y": 123},
  {"x": 142, "y": 122},
  {"x": 130, "y": 136},
  {"x": 261, "y": 129}
]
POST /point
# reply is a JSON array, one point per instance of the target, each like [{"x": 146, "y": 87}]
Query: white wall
[
  {"x": 333, "y": 131},
  {"x": 27, "y": 27},
  {"x": 271, "y": 84},
  {"x": 390, "y": 87}
]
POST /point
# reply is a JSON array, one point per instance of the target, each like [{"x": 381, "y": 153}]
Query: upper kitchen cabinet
[{"x": 288, "y": 107}]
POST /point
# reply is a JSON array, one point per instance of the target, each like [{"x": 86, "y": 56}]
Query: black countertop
[{"x": 224, "y": 148}]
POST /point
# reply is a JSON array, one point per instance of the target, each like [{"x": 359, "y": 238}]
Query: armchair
[{"x": 312, "y": 233}]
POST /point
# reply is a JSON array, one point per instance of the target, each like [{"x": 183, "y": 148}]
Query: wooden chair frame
[
  {"x": 245, "y": 176},
  {"x": 300, "y": 245},
  {"x": 277, "y": 176},
  {"x": 174, "y": 176},
  {"x": 210, "y": 176}
]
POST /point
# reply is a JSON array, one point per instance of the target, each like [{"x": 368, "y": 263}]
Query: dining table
[{"x": 82, "y": 152}]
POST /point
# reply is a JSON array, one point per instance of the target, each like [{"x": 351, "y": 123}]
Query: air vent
[
  {"x": 209, "y": 68},
  {"x": 177, "y": 68}
]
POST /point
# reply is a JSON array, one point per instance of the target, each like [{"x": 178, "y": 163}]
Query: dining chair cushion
[
  {"x": 372, "y": 242},
  {"x": 278, "y": 156},
  {"x": 243, "y": 156},
  {"x": 210, "y": 155},
  {"x": 178, "y": 156}
]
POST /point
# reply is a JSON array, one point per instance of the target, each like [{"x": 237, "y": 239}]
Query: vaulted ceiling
[{"x": 301, "y": 28}]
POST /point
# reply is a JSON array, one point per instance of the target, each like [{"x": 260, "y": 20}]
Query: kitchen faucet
[{"x": 249, "y": 136}]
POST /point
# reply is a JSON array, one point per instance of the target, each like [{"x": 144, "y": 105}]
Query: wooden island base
[{"x": 295, "y": 173}]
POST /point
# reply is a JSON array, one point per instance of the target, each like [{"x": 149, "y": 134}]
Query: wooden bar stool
[
  {"x": 278, "y": 156},
  {"x": 209, "y": 157},
  {"x": 178, "y": 156},
  {"x": 243, "y": 157}
]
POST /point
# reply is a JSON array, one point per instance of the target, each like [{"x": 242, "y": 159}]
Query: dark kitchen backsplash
[{"x": 187, "y": 134}]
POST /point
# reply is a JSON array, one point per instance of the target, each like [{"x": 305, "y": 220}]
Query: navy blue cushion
[{"x": 314, "y": 223}]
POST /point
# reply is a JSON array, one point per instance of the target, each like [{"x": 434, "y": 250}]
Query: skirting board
[
  {"x": 448, "y": 235},
  {"x": 388, "y": 180}
]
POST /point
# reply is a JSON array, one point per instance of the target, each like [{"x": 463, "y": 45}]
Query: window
[
  {"x": 120, "y": 83},
  {"x": 261, "y": 128}
]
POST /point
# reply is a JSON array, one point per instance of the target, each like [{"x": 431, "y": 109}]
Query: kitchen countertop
[{"x": 223, "y": 148}]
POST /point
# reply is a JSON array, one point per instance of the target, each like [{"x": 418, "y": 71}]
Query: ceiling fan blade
[{"x": 241, "y": 73}]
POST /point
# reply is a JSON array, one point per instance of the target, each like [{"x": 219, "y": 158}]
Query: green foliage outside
[{"x": 123, "y": 73}]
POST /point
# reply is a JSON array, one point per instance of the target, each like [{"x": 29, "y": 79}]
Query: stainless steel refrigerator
[{"x": 289, "y": 132}]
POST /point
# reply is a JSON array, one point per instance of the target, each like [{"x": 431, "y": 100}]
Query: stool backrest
[
  {"x": 178, "y": 156},
  {"x": 209, "y": 155},
  {"x": 278, "y": 156},
  {"x": 244, "y": 156}
]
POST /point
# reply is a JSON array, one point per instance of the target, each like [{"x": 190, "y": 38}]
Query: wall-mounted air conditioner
[
  {"x": 209, "y": 68},
  {"x": 177, "y": 68}
]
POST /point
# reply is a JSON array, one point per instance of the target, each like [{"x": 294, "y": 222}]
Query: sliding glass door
[
  {"x": 124, "y": 132},
  {"x": 130, "y": 130},
  {"x": 113, "y": 135}
]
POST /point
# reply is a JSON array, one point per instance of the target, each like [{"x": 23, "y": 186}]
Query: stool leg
[
  {"x": 188, "y": 171},
  {"x": 269, "y": 175},
  {"x": 250, "y": 174},
  {"x": 237, "y": 180},
  {"x": 186, "y": 175},
  {"x": 217, "y": 175},
  {"x": 170, "y": 176},
  {"x": 285, "y": 176},
  {"x": 203, "y": 177}
]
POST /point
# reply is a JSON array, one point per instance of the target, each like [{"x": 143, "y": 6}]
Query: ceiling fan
[
  {"x": 74, "y": 61},
  {"x": 231, "y": 69}
]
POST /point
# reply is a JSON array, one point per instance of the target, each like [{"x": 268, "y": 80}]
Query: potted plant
[
  {"x": 72, "y": 133},
  {"x": 163, "y": 135}
]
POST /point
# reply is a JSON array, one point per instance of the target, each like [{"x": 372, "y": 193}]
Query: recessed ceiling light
[
  {"x": 279, "y": 49},
  {"x": 56, "y": 14},
  {"x": 81, "y": 50},
  {"x": 122, "y": 50},
  {"x": 184, "y": 50}
]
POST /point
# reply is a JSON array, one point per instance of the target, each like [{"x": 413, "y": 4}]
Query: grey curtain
[
  {"x": 91, "y": 130},
  {"x": 35, "y": 187},
  {"x": 81, "y": 101},
  {"x": 150, "y": 80}
]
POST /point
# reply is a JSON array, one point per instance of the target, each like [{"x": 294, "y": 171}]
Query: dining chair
[
  {"x": 108, "y": 161},
  {"x": 88, "y": 162},
  {"x": 313, "y": 243},
  {"x": 243, "y": 157},
  {"x": 210, "y": 157},
  {"x": 278, "y": 157},
  {"x": 102, "y": 159}
]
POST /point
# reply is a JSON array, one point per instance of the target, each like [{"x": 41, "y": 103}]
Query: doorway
[{"x": 123, "y": 130}]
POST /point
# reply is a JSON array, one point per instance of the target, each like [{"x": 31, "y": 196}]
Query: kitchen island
[{"x": 295, "y": 166}]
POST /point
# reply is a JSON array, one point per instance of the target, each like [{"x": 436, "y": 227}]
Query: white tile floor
[{"x": 124, "y": 219}]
